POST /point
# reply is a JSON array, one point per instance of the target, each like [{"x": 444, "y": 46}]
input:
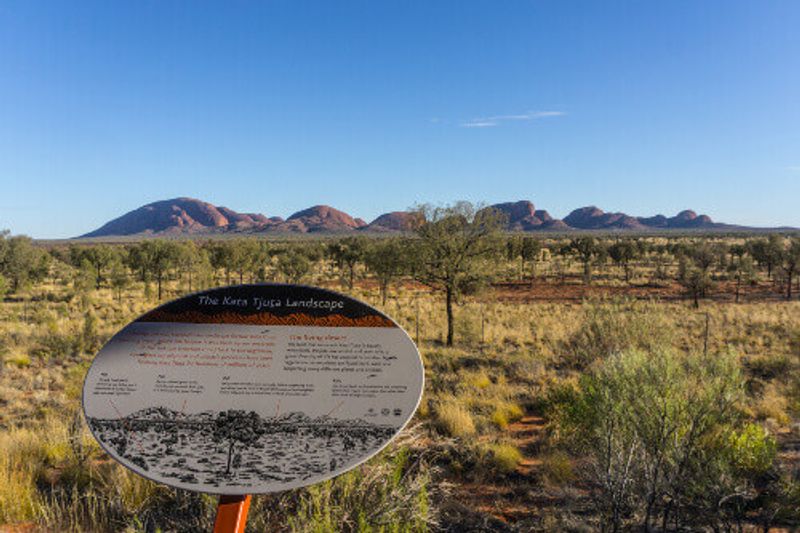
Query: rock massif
[{"x": 190, "y": 216}]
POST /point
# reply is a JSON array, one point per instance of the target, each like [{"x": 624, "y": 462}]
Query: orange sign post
[{"x": 232, "y": 513}]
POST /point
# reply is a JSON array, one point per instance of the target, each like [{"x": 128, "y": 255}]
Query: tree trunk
[
  {"x": 449, "y": 307},
  {"x": 738, "y": 283},
  {"x": 158, "y": 280},
  {"x": 789, "y": 274},
  {"x": 230, "y": 456}
]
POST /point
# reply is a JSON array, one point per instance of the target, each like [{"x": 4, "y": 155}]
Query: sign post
[
  {"x": 252, "y": 389},
  {"x": 232, "y": 514}
]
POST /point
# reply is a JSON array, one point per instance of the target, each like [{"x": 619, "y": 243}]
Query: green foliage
[
  {"x": 452, "y": 248},
  {"x": 752, "y": 450},
  {"x": 21, "y": 261},
  {"x": 347, "y": 253},
  {"x": 662, "y": 437},
  {"x": 387, "y": 260},
  {"x": 294, "y": 266}
]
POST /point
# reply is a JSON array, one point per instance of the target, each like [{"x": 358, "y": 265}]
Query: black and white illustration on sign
[{"x": 252, "y": 388}]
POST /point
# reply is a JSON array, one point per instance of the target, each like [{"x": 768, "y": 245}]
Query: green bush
[{"x": 663, "y": 438}]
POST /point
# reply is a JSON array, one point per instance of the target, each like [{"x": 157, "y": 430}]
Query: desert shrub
[
  {"x": 752, "y": 449},
  {"x": 772, "y": 406},
  {"x": 608, "y": 328},
  {"x": 505, "y": 413},
  {"x": 502, "y": 458},
  {"x": 54, "y": 342},
  {"x": 391, "y": 494},
  {"x": 453, "y": 420},
  {"x": 557, "y": 468},
  {"x": 659, "y": 432},
  {"x": 768, "y": 367},
  {"x": 20, "y": 460}
]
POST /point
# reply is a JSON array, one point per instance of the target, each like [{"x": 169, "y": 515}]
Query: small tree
[
  {"x": 387, "y": 259},
  {"x": 790, "y": 263},
  {"x": 100, "y": 256},
  {"x": 622, "y": 253},
  {"x": 743, "y": 272},
  {"x": 234, "y": 427},
  {"x": 347, "y": 253},
  {"x": 294, "y": 265},
  {"x": 21, "y": 261},
  {"x": 453, "y": 243},
  {"x": 155, "y": 258},
  {"x": 696, "y": 281},
  {"x": 530, "y": 251},
  {"x": 766, "y": 252},
  {"x": 119, "y": 278},
  {"x": 587, "y": 249}
]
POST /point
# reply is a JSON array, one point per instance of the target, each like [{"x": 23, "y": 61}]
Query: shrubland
[{"x": 573, "y": 384}]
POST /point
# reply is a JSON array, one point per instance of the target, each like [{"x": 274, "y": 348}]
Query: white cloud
[
  {"x": 487, "y": 122},
  {"x": 477, "y": 123}
]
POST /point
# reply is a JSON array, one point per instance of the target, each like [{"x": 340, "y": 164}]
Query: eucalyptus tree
[
  {"x": 452, "y": 249},
  {"x": 347, "y": 253},
  {"x": 588, "y": 250},
  {"x": 154, "y": 259},
  {"x": 387, "y": 259},
  {"x": 790, "y": 263},
  {"x": 622, "y": 253}
]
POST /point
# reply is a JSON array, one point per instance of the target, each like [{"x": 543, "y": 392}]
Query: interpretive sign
[{"x": 252, "y": 388}]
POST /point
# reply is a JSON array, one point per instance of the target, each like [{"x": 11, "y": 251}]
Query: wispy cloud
[{"x": 496, "y": 120}]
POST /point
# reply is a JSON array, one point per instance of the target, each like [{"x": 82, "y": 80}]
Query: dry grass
[{"x": 509, "y": 354}]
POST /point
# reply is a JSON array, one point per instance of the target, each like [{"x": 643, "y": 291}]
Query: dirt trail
[{"x": 517, "y": 498}]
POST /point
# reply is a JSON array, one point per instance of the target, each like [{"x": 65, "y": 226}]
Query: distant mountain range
[{"x": 190, "y": 216}]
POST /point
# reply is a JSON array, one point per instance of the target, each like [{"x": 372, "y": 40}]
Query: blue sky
[{"x": 642, "y": 107}]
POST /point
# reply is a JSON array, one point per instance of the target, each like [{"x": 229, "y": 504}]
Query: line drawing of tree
[{"x": 237, "y": 427}]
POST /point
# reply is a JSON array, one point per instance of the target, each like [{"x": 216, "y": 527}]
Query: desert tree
[
  {"x": 118, "y": 277},
  {"x": 154, "y": 259},
  {"x": 387, "y": 260},
  {"x": 99, "y": 256},
  {"x": 742, "y": 270},
  {"x": 766, "y": 252},
  {"x": 588, "y": 250},
  {"x": 221, "y": 256},
  {"x": 622, "y": 253},
  {"x": 347, "y": 253},
  {"x": 294, "y": 265},
  {"x": 21, "y": 261},
  {"x": 452, "y": 247},
  {"x": 695, "y": 280},
  {"x": 234, "y": 427},
  {"x": 194, "y": 265},
  {"x": 530, "y": 251},
  {"x": 247, "y": 255},
  {"x": 790, "y": 263}
]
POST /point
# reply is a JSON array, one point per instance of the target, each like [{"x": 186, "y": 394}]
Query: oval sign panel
[{"x": 252, "y": 388}]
